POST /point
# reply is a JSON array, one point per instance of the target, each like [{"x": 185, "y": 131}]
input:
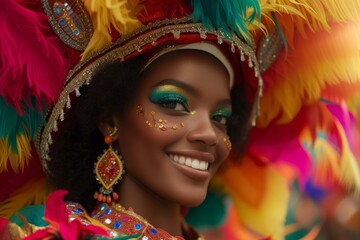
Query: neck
[{"x": 159, "y": 212}]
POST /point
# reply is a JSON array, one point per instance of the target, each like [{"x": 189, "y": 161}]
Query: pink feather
[{"x": 33, "y": 61}]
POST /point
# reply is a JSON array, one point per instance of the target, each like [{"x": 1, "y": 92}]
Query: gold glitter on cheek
[
  {"x": 139, "y": 110},
  {"x": 228, "y": 142},
  {"x": 161, "y": 124}
]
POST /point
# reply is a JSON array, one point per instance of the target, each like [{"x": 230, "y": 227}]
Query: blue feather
[
  {"x": 281, "y": 34},
  {"x": 228, "y": 15}
]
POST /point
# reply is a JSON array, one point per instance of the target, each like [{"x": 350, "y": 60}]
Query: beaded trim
[
  {"x": 120, "y": 221},
  {"x": 70, "y": 21},
  {"x": 82, "y": 74}
]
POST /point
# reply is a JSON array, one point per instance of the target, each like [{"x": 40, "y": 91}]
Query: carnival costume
[{"x": 50, "y": 50}]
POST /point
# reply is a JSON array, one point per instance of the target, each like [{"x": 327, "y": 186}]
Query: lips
[{"x": 190, "y": 162}]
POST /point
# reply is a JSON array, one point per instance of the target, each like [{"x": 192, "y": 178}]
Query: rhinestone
[
  {"x": 62, "y": 21},
  {"x": 137, "y": 226},
  {"x": 108, "y": 221},
  {"x": 125, "y": 219},
  {"x": 76, "y": 32},
  {"x": 153, "y": 231},
  {"x": 103, "y": 206},
  {"x": 108, "y": 211},
  {"x": 145, "y": 238},
  {"x": 117, "y": 224},
  {"x": 75, "y": 211},
  {"x": 58, "y": 10}
]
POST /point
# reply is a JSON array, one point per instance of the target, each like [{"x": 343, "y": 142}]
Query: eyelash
[
  {"x": 220, "y": 121},
  {"x": 224, "y": 117},
  {"x": 171, "y": 99}
]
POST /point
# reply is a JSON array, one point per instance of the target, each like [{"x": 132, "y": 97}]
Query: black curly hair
[{"x": 80, "y": 143}]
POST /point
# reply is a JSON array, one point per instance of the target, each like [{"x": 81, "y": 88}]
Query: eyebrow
[{"x": 190, "y": 89}]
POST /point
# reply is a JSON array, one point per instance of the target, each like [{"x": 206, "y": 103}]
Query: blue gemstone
[
  {"x": 62, "y": 21},
  {"x": 80, "y": 210},
  {"x": 137, "y": 226},
  {"x": 153, "y": 231},
  {"x": 103, "y": 206},
  {"x": 101, "y": 215},
  {"x": 108, "y": 211},
  {"x": 117, "y": 224},
  {"x": 76, "y": 211},
  {"x": 58, "y": 10},
  {"x": 76, "y": 32}
]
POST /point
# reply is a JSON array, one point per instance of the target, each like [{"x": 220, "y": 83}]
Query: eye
[
  {"x": 221, "y": 116},
  {"x": 174, "y": 105},
  {"x": 170, "y": 100},
  {"x": 220, "y": 119}
]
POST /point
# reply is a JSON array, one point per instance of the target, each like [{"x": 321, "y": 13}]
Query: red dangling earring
[{"x": 109, "y": 169}]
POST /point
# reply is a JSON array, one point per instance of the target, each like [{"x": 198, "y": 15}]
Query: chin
[{"x": 193, "y": 200}]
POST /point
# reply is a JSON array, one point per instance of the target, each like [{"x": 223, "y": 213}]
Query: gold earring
[{"x": 109, "y": 170}]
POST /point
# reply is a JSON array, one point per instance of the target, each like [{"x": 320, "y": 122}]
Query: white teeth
[
  {"x": 193, "y": 163},
  {"x": 203, "y": 165},
  {"x": 188, "y": 162},
  {"x": 181, "y": 160}
]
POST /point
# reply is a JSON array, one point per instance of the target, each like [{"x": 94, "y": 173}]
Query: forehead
[{"x": 193, "y": 67}]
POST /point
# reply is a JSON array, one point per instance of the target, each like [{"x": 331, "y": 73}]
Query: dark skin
[{"x": 166, "y": 169}]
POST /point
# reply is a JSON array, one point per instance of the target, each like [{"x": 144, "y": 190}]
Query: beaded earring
[{"x": 109, "y": 169}]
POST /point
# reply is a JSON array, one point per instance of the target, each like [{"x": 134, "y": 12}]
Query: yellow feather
[
  {"x": 19, "y": 160},
  {"x": 119, "y": 14},
  {"x": 314, "y": 14},
  {"x": 324, "y": 59},
  {"x": 34, "y": 191},
  {"x": 349, "y": 167},
  {"x": 272, "y": 210},
  {"x": 257, "y": 190}
]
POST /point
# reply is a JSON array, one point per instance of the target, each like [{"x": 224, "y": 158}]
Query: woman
[
  {"x": 151, "y": 111},
  {"x": 150, "y": 103},
  {"x": 169, "y": 125}
]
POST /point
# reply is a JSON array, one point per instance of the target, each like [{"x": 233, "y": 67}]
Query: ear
[{"x": 108, "y": 126}]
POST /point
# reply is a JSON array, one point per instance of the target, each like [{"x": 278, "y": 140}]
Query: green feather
[
  {"x": 12, "y": 124},
  {"x": 228, "y": 15}
]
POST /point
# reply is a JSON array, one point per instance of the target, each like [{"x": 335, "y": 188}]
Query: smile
[{"x": 190, "y": 162}]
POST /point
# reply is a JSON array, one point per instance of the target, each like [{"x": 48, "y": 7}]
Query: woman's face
[{"x": 173, "y": 138}]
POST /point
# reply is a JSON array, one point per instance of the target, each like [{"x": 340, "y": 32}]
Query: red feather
[{"x": 33, "y": 61}]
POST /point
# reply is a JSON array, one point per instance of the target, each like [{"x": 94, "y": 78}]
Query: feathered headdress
[{"x": 50, "y": 49}]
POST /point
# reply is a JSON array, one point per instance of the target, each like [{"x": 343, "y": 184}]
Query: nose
[{"x": 202, "y": 130}]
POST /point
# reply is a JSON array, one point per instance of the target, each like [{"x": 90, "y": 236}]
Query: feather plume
[
  {"x": 33, "y": 62},
  {"x": 230, "y": 16},
  {"x": 299, "y": 15},
  {"x": 241, "y": 181},
  {"x": 309, "y": 69},
  {"x": 35, "y": 191},
  {"x": 119, "y": 14},
  {"x": 16, "y": 133},
  {"x": 333, "y": 160}
]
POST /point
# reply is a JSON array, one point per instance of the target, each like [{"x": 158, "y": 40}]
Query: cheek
[{"x": 149, "y": 130}]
